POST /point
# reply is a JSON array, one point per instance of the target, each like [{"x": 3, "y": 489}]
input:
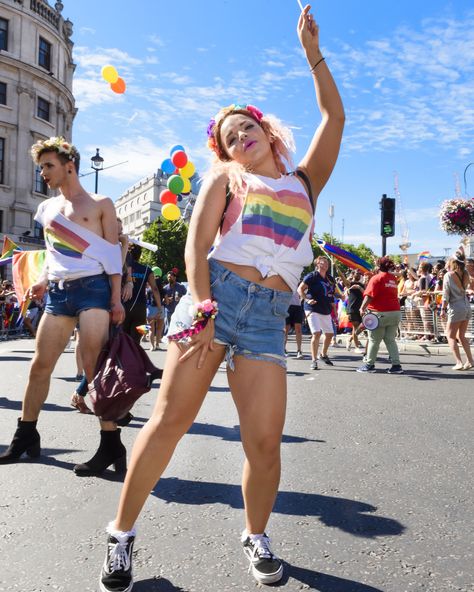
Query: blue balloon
[
  {"x": 167, "y": 166},
  {"x": 176, "y": 148},
  {"x": 180, "y": 198}
]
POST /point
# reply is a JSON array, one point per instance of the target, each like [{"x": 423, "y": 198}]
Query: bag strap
[
  {"x": 304, "y": 177},
  {"x": 145, "y": 275},
  {"x": 228, "y": 197}
]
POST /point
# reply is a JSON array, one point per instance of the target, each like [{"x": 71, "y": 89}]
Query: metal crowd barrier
[
  {"x": 420, "y": 321},
  {"x": 10, "y": 328}
]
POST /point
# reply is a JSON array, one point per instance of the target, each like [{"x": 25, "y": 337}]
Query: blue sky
[{"x": 405, "y": 71}]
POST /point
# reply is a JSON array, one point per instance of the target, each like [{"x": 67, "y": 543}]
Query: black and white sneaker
[
  {"x": 395, "y": 369},
  {"x": 265, "y": 567},
  {"x": 326, "y": 360},
  {"x": 116, "y": 575}
]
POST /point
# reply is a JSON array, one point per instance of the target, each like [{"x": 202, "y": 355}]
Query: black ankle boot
[
  {"x": 111, "y": 451},
  {"x": 26, "y": 439}
]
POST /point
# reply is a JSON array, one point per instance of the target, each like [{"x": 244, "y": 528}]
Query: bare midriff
[{"x": 251, "y": 274}]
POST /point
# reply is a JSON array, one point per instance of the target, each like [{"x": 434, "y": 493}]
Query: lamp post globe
[{"x": 97, "y": 163}]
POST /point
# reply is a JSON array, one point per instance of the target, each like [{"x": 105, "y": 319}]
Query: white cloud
[
  {"x": 422, "y": 82},
  {"x": 90, "y": 93}
]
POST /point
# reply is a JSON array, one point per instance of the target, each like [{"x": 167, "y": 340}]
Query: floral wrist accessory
[
  {"x": 201, "y": 313},
  {"x": 207, "y": 309}
]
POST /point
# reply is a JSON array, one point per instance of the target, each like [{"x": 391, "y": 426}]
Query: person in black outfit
[
  {"x": 317, "y": 292},
  {"x": 355, "y": 295},
  {"x": 135, "y": 308}
]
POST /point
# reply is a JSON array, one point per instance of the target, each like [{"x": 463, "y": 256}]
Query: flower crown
[
  {"x": 57, "y": 144},
  {"x": 211, "y": 128}
]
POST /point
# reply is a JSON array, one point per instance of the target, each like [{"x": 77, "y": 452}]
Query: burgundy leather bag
[{"x": 122, "y": 376}]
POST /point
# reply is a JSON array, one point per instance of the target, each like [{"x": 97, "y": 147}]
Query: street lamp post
[{"x": 97, "y": 163}]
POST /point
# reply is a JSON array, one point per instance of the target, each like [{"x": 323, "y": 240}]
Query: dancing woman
[{"x": 240, "y": 292}]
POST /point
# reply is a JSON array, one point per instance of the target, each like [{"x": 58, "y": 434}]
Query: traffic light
[{"x": 387, "y": 219}]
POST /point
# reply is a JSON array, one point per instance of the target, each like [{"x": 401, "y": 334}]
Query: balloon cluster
[
  {"x": 180, "y": 169},
  {"x": 110, "y": 75}
]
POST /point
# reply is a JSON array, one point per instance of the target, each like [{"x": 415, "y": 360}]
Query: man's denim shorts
[
  {"x": 70, "y": 298},
  {"x": 251, "y": 318}
]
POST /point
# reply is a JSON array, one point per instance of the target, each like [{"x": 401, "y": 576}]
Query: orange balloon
[{"x": 119, "y": 86}]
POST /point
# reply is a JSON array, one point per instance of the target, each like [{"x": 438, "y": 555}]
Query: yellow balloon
[
  {"x": 187, "y": 186},
  {"x": 110, "y": 74},
  {"x": 171, "y": 212},
  {"x": 188, "y": 170}
]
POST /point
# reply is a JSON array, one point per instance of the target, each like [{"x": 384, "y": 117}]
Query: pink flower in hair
[{"x": 255, "y": 112}]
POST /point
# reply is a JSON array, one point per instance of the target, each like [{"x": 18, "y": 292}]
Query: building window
[
  {"x": 2, "y": 159},
  {"x": 44, "y": 55},
  {"x": 3, "y": 34},
  {"x": 38, "y": 231},
  {"x": 40, "y": 184},
  {"x": 3, "y": 93},
  {"x": 43, "y": 109}
]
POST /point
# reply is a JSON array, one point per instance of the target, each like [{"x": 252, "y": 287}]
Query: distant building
[
  {"x": 36, "y": 102},
  {"x": 140, "y": 204}
]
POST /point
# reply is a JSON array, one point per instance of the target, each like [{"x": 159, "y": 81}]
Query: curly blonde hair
[{"x": 66, "y": 151}]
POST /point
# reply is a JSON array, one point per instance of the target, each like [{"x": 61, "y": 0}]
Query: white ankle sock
[{"x": 121, "y": 535}]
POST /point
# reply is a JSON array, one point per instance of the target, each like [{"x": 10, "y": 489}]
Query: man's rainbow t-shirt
[
  {"x": 282, "y": 216},
  {"x": 65, "y": 241}
]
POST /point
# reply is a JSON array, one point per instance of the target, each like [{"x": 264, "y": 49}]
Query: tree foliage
[{"x": 170, "y": 238}]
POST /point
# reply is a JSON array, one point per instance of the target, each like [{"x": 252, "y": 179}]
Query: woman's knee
[
  {"x": 169, "y": 425},
  {"x": 264, "y": 451}
]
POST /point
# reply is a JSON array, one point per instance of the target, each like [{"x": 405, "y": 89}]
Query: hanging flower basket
[{"x": 456, "y": 216}]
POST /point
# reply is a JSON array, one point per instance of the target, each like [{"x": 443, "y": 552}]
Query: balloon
[
  {"x": 157, "y": 271},
  {"x": 175, "y": 148},
  {"x": 110, "y": 74},
  {"x": 180, "y": 198},
  {"x": 170, "y": 212},
  {"x": 167, "y": 197},
  {"x": 187, "y": 186},
  {"x": 175, "y": 184},
  {"x": 119, "y": 86},
  {"x": 167, "y": 166},
  {"x": 179, "y": 158},
  {"x": 188, "y": 170}
]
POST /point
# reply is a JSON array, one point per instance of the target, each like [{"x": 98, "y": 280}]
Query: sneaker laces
[
  {"x": 261, "y": 547},
  {"x": 119, "y": 558}
]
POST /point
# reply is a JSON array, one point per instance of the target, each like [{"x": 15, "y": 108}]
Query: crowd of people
[{"x": 410, "y": 303}]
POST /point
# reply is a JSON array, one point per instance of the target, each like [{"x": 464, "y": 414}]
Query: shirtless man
[{"x": 82, "y": 282}]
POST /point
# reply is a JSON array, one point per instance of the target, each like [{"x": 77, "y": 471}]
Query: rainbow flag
[
  {"x": 345, "y": 257},
  {"x": 27, "y": 268},
  {"x": 7, "y": 250},
  {"x": 424, "y": 255},
  {"x": 143, "y": 329}
]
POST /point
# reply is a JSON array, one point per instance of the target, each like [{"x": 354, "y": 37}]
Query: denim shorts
[
  {"x": 70, "y": 298},
  {"x": 251, "y": 318}
]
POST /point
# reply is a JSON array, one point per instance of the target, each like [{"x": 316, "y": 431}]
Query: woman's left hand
[
  {"x": 308, "y": 33},
  {"x": 200, "y": 344}
]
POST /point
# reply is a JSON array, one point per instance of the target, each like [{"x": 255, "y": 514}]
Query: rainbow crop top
[
  {"x": 73, "y": 251},
  {"x": 269, "y": 226}
]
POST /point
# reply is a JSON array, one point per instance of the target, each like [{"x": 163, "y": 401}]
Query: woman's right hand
[
  {"x": 308, "y": 33},
  {"x": 199, "y": 344}
]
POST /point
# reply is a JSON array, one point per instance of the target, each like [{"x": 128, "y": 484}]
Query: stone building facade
[{"x": 36, "y": 102}]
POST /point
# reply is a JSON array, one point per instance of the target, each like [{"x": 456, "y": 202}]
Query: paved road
[{"x": 376, "y": 493}]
